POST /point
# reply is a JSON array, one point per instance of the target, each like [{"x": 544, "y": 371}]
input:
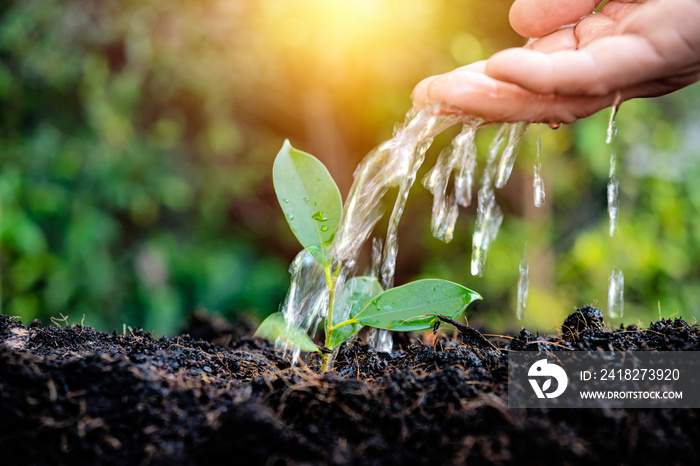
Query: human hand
[{"x": 576, "y": 67}]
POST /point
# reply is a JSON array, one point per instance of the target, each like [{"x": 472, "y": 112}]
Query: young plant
[{"x": 313, "y": 207}]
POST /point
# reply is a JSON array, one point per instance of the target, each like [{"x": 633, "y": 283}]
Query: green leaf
[
  {"x": 356, "y": 294},
  {"x": 309, "y": 198},
  {"x": 275, "y": 327},
  {"x": 413, "y": 306}
]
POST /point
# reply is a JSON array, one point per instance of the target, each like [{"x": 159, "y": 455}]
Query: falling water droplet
[
  {"x": 613, "y": 194},
  {"x": 285, "y": 200},
  {"x": 324, "y": 228},
  {"x": 538, "y": 182},
  {"x": 616, "y": 286},
  {"x": 523, "y": 286},
  {"x": 612, "y": 128},
  {"x": 320, "y": 216},
  {"x": 290, "y": 217},
  {"x": 613, "y": 203},
  {"x": 510, "y": 152}
]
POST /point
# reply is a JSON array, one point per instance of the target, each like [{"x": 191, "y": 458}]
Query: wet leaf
[
  {"x": 275, "y": 327},
  {"x": 356, "y": 294},
  {"x": 413, "y": 306},
  {"x": 309, "y": 198}
]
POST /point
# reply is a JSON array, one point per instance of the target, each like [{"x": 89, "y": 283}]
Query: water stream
[
  {"x": 537, "y": 181},
  {"x": 613, "y": 183},
  {"x": 616, "y": 280},
  {"x": 488, "y": 213},
  {"x": 457, "y": 161}
]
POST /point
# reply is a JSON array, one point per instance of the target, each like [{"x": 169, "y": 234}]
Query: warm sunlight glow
[
  {"x": 343, "y": 24},
  {"x": 325, "y": 33}
]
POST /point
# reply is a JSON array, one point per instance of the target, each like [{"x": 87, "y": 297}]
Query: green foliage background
[{"x": 137, "y": 139}]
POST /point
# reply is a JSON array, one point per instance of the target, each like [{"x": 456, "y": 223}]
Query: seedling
[{"x": 313, "y": 207}]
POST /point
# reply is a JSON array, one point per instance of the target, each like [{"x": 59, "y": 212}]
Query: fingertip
[
  {"x": 419, "y": 96},
  {"x": 519, "y": 16},
  {"x": 535, "y": 18}
]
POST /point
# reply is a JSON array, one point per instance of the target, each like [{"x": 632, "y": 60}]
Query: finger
[
  {"x": 420, "y": 92},
  {"x": 606, "y": 65},
  {"x": 590, "y": 28},
  {"x": 476, "y": 94},
  {"x": 535, "y": 18},
  {"x": 478, "y": 66}
]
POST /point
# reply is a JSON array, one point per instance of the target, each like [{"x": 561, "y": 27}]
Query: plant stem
[{"x": 331, "y": 281}]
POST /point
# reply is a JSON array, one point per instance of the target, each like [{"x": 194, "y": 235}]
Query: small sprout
[{"x": 410, "y": 307}]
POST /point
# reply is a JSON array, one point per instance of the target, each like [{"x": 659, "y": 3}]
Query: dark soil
[{"x": 77, "y": 396}]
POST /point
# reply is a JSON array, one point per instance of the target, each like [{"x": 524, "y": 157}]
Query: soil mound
[{"x": 73, "y": 395}]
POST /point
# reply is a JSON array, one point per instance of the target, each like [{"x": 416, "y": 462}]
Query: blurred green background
[{"x": 137, "y": 139}]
